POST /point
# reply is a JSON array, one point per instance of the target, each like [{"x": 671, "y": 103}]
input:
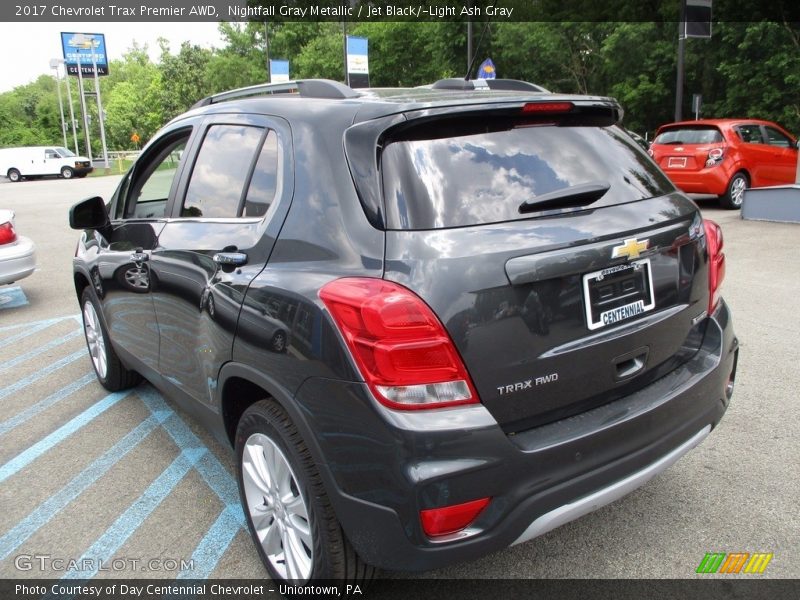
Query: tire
[
  {"x": 110, "y": 371},
  {"x": 282, "y": 492},
  {"x": 14, "y": 175},
  {"x": 67, "y": 172},
  {"x": 734, "y": 195}
]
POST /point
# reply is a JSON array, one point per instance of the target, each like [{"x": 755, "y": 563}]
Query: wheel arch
[
  {"x": 81, "y": 283},
  {"x": 241, "y": 386}
]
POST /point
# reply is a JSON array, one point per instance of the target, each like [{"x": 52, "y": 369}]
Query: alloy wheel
[
  {"x": 95, "y": 339},
  {"x": 277, "y": 508}
]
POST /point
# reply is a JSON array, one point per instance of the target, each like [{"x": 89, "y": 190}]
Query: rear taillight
[
  {"x": 401, "y": 348},
  {"x": 7, "y": 233},
  {"x": 716, "y": 262},
  {"x": 450, "y": 519},
  {"x": 715, "y": 156}
]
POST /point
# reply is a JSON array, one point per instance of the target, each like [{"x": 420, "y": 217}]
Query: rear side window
[
  {"x": 221, "y": 171},
  {"x": 483, "y": 177},
  {"x": 690, "y": 135}
]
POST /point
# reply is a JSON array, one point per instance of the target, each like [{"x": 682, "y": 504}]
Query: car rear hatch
[
  {"x": 564, "y": 266},
  {"x": 686, "y": 147}
]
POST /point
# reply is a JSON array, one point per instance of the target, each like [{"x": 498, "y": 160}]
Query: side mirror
[{"x": 89, "y": 214}]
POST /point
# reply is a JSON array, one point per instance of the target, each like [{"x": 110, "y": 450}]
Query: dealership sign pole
[{"x": 54, "y": 63}]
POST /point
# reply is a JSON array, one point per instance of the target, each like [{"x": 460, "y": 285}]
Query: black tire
[
  {"x": 331, "y": 556},
  {"x": 14, "y": 175},
  {"x": 114, "y": 377},
  {"x": 67, "y": 172},
  {"x": 734, "y": 195}
]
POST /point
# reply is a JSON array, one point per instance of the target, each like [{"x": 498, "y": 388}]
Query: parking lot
[{"x": 130, "y": 486}]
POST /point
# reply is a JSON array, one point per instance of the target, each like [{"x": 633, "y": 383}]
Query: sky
[{"x": 26, "y": 48}]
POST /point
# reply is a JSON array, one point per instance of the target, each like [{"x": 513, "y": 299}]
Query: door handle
[{"x": 230, "y": 259}]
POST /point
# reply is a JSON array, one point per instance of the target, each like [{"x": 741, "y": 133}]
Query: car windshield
[
  {"x": 64, "y": 152},
  {"x": 690, "y": 135}
]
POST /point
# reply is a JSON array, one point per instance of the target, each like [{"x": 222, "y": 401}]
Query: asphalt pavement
[{"x": 136, "y": 487}]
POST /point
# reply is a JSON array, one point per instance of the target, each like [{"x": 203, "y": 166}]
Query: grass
[{"x": 116, "y": 167}]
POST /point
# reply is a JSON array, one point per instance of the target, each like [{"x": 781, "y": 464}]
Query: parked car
[
  {"x": 499, "y": 313},
  {"x": 725, "y": 156},
  {"x": 17, "y": 253},
  {"x": 31, "y": 162}
]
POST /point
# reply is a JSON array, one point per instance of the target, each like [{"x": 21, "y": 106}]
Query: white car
[
  {"x": 32, "y": 162},
  {"x": 17, "y": 253}
]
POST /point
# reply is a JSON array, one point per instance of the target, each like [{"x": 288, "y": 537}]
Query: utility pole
[{"x": 681, "y": 51}]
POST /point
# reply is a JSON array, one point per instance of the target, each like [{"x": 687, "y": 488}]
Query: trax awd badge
[
  {"x": 631, "y": 248},
  {"x": 528, "y": 384}
]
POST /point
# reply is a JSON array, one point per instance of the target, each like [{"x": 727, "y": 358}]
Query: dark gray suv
[{"x": 432, "y": 322}]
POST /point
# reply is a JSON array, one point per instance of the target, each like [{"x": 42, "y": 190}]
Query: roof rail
[
  {"x": 509, "y": 85},
  {"x": 305, "y": 88}
]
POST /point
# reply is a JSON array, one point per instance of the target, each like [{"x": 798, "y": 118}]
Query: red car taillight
[
  {"x": 7, "y": 233},
  {"x": 401, "y": 348},
  {"x": 716, "y": 262},
  {"x": 449, "y": 519},
  {"x": 715, "y": 156}
]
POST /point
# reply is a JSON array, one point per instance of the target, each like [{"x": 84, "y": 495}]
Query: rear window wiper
[{"x": 575, "y": 196}]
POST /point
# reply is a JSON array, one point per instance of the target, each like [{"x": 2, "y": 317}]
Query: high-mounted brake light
[
  {"x": 401, "y": 348},
  {"x": 716, "y": 262},
  {"x": 7, "y": 233},
  {"x": 450, "y": 519},
  {"x": 547, "y": 107}
]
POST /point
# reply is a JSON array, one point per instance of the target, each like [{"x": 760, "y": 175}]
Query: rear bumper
[
  {"x": 713, "y": 180},
  {"x": 381, "y": 468},
  {"x": 17, "y": 260}
]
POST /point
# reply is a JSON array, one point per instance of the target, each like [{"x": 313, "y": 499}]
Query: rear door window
[
  {"x": 750, "y": 134},
  {"x": 776, "y": 138},
  {"x": 473, "y": 175},
  {"x": 221, "y": 171}
]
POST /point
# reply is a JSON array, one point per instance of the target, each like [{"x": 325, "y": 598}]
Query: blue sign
[
  {"x": 487, "y": 70},
  {"x": 357, "y": 61},
  {"x": 84, "y": 50},
  {"x": 278, "y": 70}
]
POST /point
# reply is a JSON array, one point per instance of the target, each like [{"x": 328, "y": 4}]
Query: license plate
[
  {"x": 676, "y": 162},
  {"x": 618, "y": 293}
]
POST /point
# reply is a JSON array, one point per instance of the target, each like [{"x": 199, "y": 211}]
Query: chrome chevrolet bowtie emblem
[{"x": 632, "y": 248}]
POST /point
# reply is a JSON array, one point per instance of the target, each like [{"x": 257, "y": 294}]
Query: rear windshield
[
  {"x": 478, "y": 178},
  {"x": 690, "y": 135}
]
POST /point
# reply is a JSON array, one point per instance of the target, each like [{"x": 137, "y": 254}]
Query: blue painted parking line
[
  {"x": 26, "y": 457},
  {"x": 214, "y": 544},
  {"x": 31, "y": 328},
  {"x": 12, "y": 297},
  {"x": 36, "y": 352},
  {"x": 46, "y": 403},
  {"x": 34, "y": 377},
  {"x": 116, "y": 535},
  {"x": 80, "y": 483}
]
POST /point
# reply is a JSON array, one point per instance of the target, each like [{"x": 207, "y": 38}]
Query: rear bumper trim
[{"x": 582, "y": 506}]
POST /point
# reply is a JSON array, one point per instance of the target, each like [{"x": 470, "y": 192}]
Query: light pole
[{"x": 54, "y": 62}]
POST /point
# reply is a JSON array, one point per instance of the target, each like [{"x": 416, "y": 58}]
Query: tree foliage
[{"x": 748, "y": 69}]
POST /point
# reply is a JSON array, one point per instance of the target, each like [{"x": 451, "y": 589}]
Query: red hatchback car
[{"x": 725, "y": 156}]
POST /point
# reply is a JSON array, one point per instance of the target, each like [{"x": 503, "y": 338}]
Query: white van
[{"x": 38, "y": 161}]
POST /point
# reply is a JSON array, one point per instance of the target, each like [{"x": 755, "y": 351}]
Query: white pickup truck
[{"x": 39, "y": 161}]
